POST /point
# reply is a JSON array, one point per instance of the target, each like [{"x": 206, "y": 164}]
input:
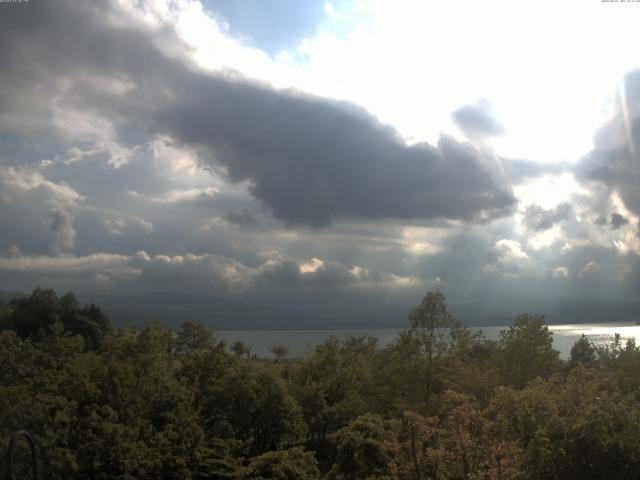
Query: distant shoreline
[{"x": 629, "y": 323}]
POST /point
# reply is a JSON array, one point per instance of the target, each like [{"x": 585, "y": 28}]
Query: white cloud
[
  {"x": 510, "y": 250},
  {"x": 40, "y": 207},
  {"x": 403, "y": 281},
  {"x": 179, "y": 195},
  {"x": 204, "y": 272},
  {"x": 29, "y": 181},
  {"x": 405, "y": 63},
  {"x": 561, "y": 272},
  {"x": 120, "y": 224},
  {"x": 64, "y": 264},
  {"x": 114, "y": 154},
  {"x": 311, "y": 265},
  {"x": 423, "y": 241}
]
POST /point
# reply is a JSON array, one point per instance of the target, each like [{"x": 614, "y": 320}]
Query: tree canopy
[{"x": 439, "y": 402}]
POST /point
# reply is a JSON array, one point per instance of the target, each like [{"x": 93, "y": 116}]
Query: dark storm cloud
[
  {"x": 538, "y": 219},
  {"x": 309, "y": 160},
  {"x": 476, "y": 121}
]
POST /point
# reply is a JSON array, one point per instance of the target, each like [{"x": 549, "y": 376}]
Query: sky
[{"x": 325, "y": 154}]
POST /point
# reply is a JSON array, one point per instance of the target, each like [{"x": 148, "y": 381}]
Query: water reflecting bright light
[{"x": 299, "y": 341}]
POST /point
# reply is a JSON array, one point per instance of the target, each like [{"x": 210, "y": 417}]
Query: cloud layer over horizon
[{"x": 128, "y": 164}]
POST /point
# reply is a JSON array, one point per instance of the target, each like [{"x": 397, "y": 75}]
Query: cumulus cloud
[
  {"x": 510, "y": 249},
  {"x": 477, "y": 121},
  {"x": 37, "y": 214},
  {"x": 309, "y": 160},
  {"x": 115, "y": 140},
  {"x": 204, "y": 273}
]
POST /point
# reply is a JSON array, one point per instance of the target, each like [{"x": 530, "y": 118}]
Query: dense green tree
[
  {"x": 239, "y": 349},
  {"x": 332, "y": 382},
  {"x": 416, "y": 451},
  {"x": 253, "y": 406},
  {"x": 364, "y": 450},
  {"x": 527, "y": 350},
  {"x": 399, "y": 376},
  {"x": 582, "y": 352},
  {"x": 33, "y": 317},
  {"x": 5, "y": 315},
  {"x": 472, "y": 448},
  {"x": 192, "y": 336},
  {"x": 156, "y": 403},
  {"x": 431, "y": 323},
  {"x": 217, "y": 460},
  {"x": 42, "y": 313},
  {"x": 292, "y": 464},
  {"x": 582, "y": 428},
  {"x": 280, "y": 351}
]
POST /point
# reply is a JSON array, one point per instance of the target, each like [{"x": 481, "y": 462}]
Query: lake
[{"x": 300, "y": 341}]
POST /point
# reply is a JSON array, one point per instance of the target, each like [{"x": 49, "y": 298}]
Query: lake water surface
[{"x": 300, "y": 341}]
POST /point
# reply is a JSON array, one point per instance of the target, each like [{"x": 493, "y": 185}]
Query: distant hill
[
  {"x": 300, "y": 312},
  {"x": 172, "y": 309},
  {"x": 220, "y": 314},
  {"x": 7, "y": 296},
  {"x": 247, "y": 314}
]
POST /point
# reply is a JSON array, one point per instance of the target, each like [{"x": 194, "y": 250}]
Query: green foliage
[
  {"x": 439, "y": 402},
  {"x": 292, "y": 464},
  {"x": 332, "y": 382},
  {"x": 254, "y": 406},
  {"x": 431, "y": 324},
  {"x": 42, "y": 313},
  {"x": 239, "y": 349},
  {"x": 280, "y": 351},
  {"x": 583, "y": 352},
  {"x": 192, "y": 336},
  {"x": 400, "y": 374},
  {"x": 527, "y": 350},
  {"x": 363, "y": 450},
  {"x": 5, "y": 314},
  {"x": 581, "y": 428}
]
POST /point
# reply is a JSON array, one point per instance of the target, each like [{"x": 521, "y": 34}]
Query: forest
[{"x": 440, "y": 402}]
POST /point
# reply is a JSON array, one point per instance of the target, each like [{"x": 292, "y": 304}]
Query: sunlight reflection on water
[
  {"x": 299, "y": 341},
  {"x": 564, "y": 336}
]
